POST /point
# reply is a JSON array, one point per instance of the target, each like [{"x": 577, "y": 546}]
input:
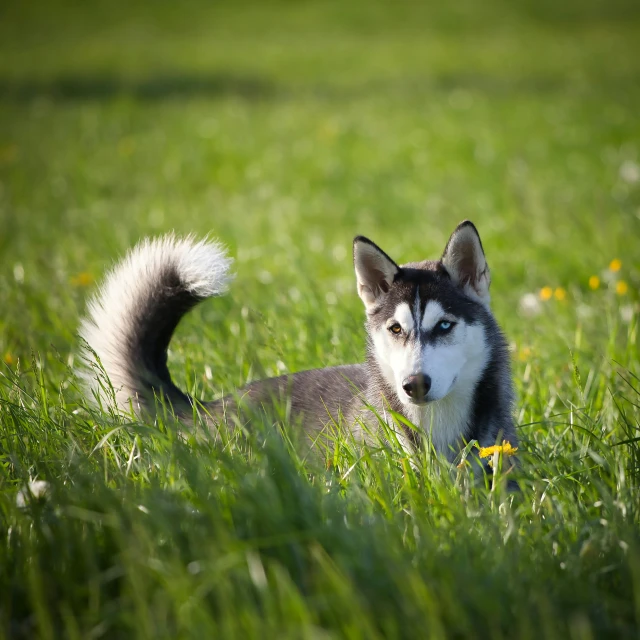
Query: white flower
[
  {"x": 35, "y": 490},
  {"x": 630, "y": 171},
  {"x": 584, "y": 311},
  {"x": 530, "y": 305},
  {"x": 626, "y": 313},
  {"x": 18, "y": 273}
]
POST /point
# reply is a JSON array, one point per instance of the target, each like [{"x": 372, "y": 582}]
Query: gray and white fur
[{"x": 435, "y": 353}]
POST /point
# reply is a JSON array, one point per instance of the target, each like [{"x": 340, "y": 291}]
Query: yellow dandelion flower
[
  {"x": 560, "y": 293},
  {"x": 615, "y": 265},
  {"x": 524, "y": 354},
  {"x": 9, "y": 358},
  {"x": 505, "y": 449},
  {"x": 546, "y": 293},
  {"x": 594, "y": 282},
  {"x": 621, "y": 287},
  {"x": 485, "y": 452},
  {"x": 83, "y": 279}
]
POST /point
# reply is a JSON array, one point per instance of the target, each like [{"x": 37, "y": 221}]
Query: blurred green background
[{"x": 284, "y": 129}]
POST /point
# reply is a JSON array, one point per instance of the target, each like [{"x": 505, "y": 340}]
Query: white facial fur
[
  {"x": 404, "y": 317},
  {"x": 454, "y": 363},
  {"x": 454, "y": 360}
]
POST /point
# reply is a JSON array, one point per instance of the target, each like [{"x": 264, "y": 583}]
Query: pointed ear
[
  {"x": 464, "y": 259},
  {"x": 375, "y": 270}
]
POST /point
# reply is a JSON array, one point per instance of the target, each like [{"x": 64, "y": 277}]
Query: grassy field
[{"x": 285, "y": 129}]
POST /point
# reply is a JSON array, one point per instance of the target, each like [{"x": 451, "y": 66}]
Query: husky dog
[{"x": 435, "y": 353}]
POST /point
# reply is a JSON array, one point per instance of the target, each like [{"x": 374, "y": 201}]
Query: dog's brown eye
[{"x": 395, "y": 328}]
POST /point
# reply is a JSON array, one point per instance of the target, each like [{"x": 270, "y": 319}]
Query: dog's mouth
[{"x": 419, "y": 402}]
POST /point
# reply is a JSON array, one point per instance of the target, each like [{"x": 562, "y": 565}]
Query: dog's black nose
[{"x": 417, "y": 386}]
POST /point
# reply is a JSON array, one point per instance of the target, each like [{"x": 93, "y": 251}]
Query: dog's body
[{"x": 435, "y": 353}]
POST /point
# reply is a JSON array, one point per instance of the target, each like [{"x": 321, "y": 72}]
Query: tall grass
[{"x": 286, "y": 129}]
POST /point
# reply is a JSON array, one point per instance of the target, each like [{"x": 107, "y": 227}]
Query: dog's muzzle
[{"x": 417, "y": 387}]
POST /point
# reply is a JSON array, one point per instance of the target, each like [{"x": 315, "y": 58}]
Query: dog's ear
[
  {"x": 375, "y": 270},
  {"x": 464, "y": 259}
]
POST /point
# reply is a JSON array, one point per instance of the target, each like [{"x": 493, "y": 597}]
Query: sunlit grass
[{"x": 285, "y": 133}]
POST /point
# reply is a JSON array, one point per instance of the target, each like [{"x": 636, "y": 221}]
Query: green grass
[{"x": 285, "y": 129}]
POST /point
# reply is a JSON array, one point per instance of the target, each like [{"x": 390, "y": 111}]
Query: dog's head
[{"x": 426, "y": 320}]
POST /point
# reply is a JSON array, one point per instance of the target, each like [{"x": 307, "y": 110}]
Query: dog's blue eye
[{"x": 445, "y": 325}]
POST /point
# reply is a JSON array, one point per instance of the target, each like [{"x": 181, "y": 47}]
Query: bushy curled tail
[{"x": 131, "y": 319}]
